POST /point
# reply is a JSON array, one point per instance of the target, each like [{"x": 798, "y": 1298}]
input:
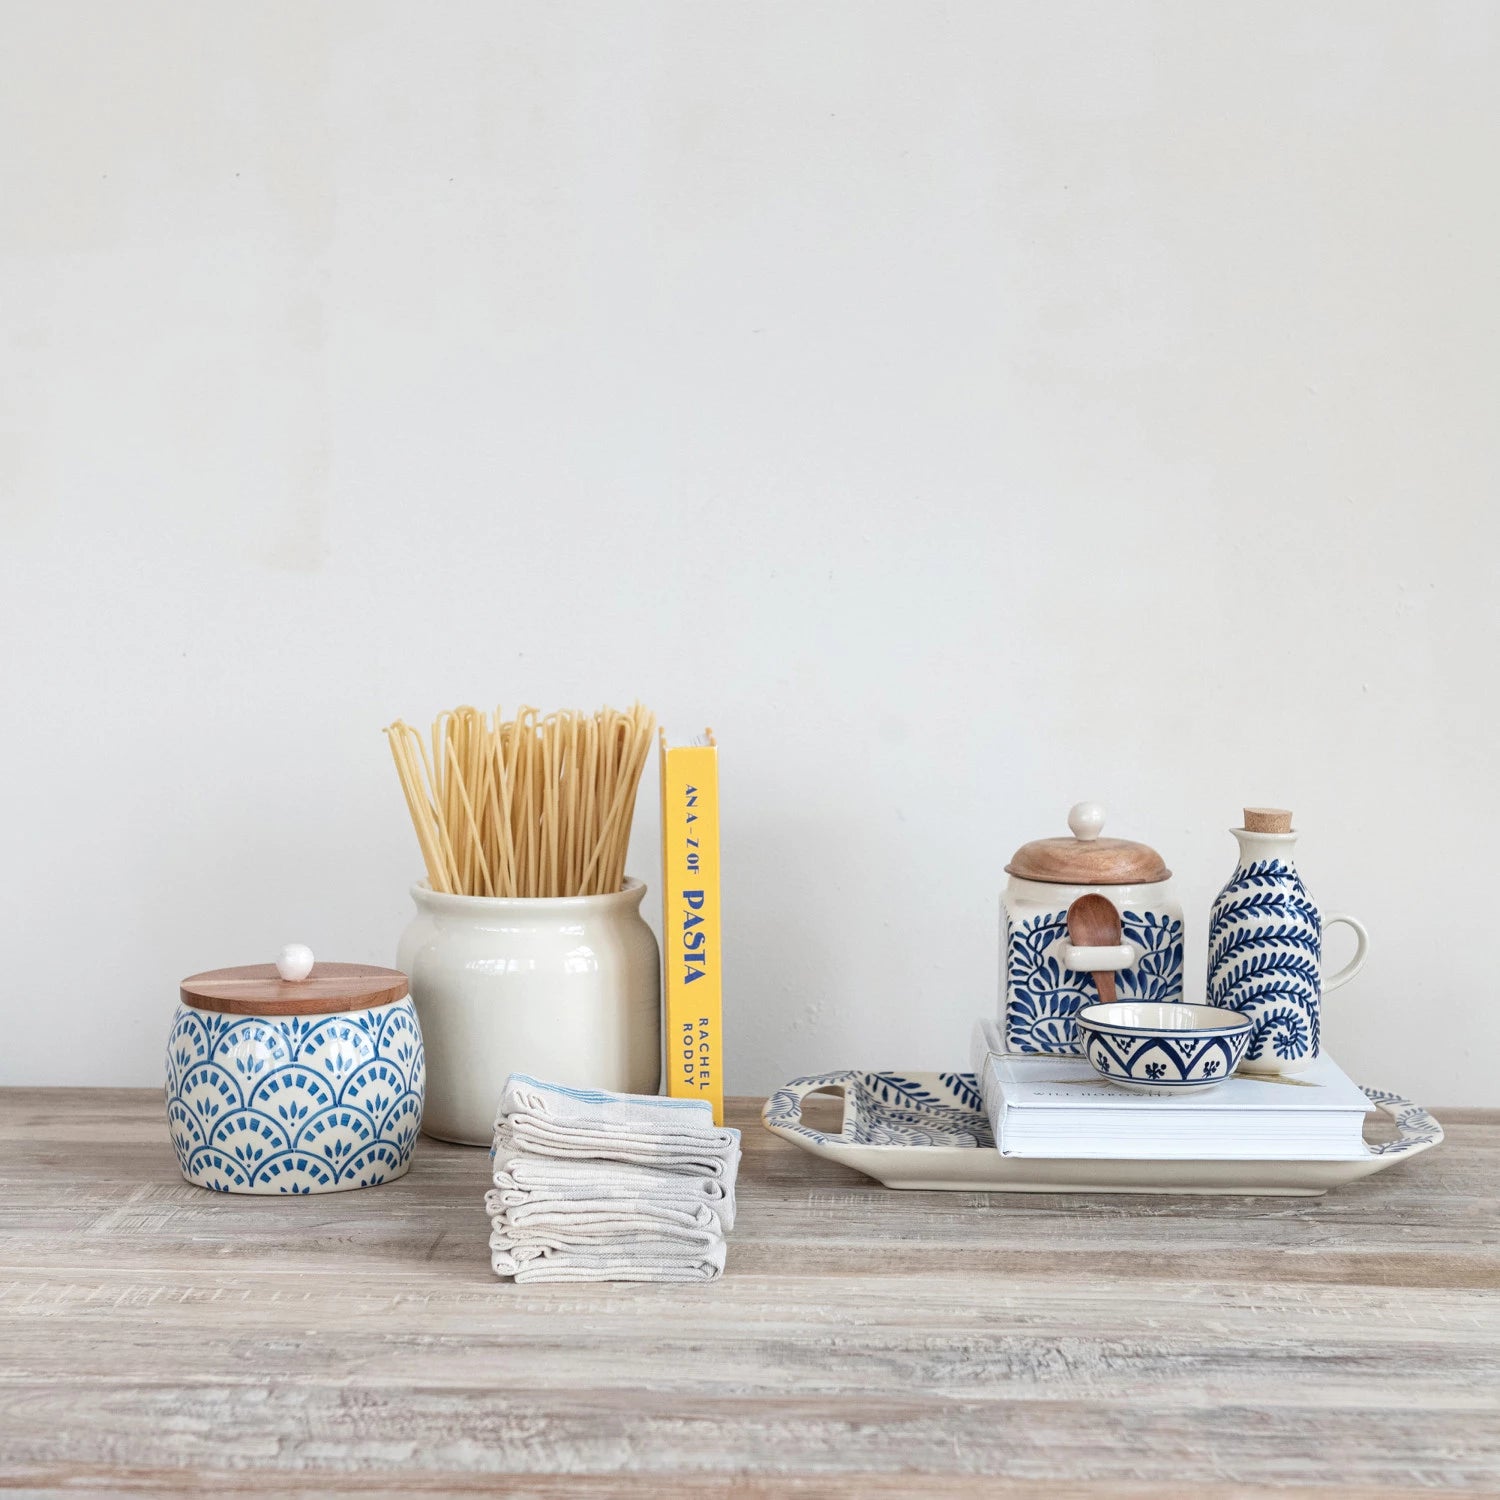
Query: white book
[{"x": 1059, "y": 1107}]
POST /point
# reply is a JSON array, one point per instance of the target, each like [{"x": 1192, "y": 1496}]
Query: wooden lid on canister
[
  {"x": 259, "y": 990},
  {"x": 1087, "y": 859}
]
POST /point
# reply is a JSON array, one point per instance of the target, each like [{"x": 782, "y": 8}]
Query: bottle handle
[{"x": 1361, "y": 951}]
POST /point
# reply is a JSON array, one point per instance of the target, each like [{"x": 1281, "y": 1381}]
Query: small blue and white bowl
[{"x": 1163, "y": 1047}]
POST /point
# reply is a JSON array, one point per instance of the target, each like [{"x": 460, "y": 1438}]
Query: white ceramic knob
[
  {"x": 295, "y": 961},
  {"x": 1086, "y": 819}
]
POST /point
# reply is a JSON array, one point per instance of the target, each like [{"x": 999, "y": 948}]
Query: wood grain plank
[{"x": 157, "y": 1337}]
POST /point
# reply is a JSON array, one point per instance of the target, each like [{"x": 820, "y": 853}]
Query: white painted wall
[{"x": 965, "y": 408}]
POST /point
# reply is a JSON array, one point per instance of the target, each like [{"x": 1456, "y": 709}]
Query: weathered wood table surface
[{"x": 155, "y": 1337}]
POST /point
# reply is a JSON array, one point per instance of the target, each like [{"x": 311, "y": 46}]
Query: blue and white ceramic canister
[
  {"x": 1043, "y": 984},
  {"x": 295, "y": 1077},
  {"x": 1265, "y": 948}
]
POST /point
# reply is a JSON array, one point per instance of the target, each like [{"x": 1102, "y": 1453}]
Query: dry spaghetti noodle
[{"x": 527, "y": 806}]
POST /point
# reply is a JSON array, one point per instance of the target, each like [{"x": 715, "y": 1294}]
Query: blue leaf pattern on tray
[
  {"x": 899, "y": 1092},
  {"x": 953, "y": 1121},
  {"x": 950, "y": 1118},
  {"x": 1415, "y": 1124},
  {"x": 965, "y": 1090}
]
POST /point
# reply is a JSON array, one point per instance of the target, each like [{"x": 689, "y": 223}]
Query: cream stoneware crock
[
  {"x": 566, "y": 988},
  {"x": 1045, "y": 979}
]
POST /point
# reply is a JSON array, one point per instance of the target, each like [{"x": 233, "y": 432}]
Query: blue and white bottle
[{"x": 1265, "y": 948}]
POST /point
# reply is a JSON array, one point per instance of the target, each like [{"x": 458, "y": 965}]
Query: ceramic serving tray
[{"x": 928, "y": 1130}]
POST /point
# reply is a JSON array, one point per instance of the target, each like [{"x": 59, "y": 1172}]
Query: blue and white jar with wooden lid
[
  {"x": 295, "y": 1077},
  {"x": 1045, "y": 979}
]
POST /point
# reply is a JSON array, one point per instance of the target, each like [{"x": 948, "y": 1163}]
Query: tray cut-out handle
[
  {"x": 784, "y": 1107},
  {"x": 1416, "y": 1129}
]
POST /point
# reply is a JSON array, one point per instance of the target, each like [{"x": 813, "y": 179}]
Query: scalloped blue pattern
[
  {"x": 1265, "y": 947},
  {"x": 295, "y": 1104},
  {"x": 1043, "y": 998}
]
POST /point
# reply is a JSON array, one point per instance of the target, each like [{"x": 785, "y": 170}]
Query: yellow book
[{"x": 693, "y": 979}]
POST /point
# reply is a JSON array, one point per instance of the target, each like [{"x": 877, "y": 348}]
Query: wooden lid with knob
[
  {"x": 294, "y": 986},
  {"x": 1087, "y": 859}
]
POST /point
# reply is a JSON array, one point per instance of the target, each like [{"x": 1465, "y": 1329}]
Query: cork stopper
[{"x": 1267, "y": 820}]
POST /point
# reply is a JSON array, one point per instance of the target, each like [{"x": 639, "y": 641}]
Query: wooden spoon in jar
[{"x": 1093, "y": 922}]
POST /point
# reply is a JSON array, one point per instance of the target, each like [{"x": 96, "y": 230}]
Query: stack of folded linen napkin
[{"x": 592, "y": 1186}]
